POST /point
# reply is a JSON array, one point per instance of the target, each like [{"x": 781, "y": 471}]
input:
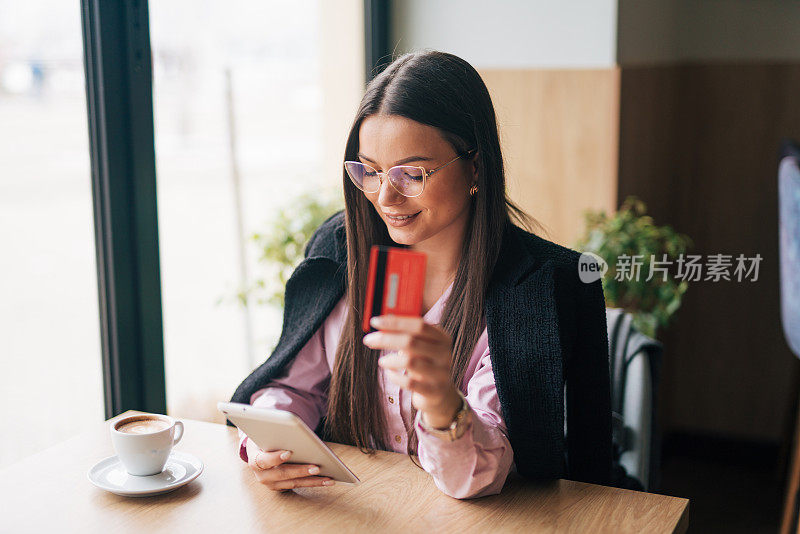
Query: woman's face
[{"x": 441, "y": 211}]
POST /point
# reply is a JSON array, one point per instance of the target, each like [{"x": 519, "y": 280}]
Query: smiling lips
[{"x": 401, "y": 220}]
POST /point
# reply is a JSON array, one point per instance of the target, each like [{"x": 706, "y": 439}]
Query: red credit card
[{"x": 395, "y": 282}]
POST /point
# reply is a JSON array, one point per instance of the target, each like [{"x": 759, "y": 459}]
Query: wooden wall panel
[
  {"x": 559, "y": 137},
  {"x": 699, "y": 143}
]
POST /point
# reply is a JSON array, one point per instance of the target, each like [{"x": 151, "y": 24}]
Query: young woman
[{"x": 476, "y": 387}]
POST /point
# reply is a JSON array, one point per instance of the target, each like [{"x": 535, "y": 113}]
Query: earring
[{"x": 473, "y": 190}]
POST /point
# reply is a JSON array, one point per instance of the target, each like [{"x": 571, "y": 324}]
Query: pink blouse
[{"x": 474, "y": 465}]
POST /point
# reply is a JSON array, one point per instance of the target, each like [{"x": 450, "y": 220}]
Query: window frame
[
  {"x": 377, "y": 51},
  {"x": 119, "y": 100}
]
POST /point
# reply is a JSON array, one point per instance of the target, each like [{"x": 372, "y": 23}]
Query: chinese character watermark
[{"x": 688, "y": 267}]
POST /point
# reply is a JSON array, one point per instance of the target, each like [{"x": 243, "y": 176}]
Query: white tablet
[{"x": 277, "y": 429}]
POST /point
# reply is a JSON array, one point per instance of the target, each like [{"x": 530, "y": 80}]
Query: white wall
[
  {"x": 511, "y": 33},
  {"x": 599, "y": 33},
  {"x": 663, "y": 31}
]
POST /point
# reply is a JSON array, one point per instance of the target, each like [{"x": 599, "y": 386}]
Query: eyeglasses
[{"x": 407, "y": 180}]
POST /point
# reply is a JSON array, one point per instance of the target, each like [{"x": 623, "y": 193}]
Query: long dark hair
[{"x": 446, "y": 92}]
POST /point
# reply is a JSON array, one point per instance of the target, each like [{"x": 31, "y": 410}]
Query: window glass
[
  {"x": 51, "y": 385},
  {"x": 253, "y": 101}
]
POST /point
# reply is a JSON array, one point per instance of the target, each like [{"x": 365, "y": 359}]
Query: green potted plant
[
  {"x": 631, "y": 233},
  {"x": 282, "y": 244}
]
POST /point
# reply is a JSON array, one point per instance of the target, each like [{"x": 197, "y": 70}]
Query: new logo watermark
[{"x": 591, "y": 267}]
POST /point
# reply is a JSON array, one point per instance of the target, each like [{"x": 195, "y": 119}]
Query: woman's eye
[
  {"x": 370, "y": 173},
  {"x": 415, "y": 177}
]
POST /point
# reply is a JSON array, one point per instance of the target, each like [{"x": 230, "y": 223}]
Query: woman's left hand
[{"x": 424, "y": 352}]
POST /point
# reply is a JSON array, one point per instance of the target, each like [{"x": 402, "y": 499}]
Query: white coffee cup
[{"x": 143, "y": 441}]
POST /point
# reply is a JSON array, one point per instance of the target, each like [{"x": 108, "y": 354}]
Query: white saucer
[{"x": 181, "y": 468}]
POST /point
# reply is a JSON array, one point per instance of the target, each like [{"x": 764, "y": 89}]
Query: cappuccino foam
[{"x": 143, "y": 426}]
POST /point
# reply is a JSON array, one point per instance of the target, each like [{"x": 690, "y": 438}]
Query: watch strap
[{"x": 456, "y": 428}]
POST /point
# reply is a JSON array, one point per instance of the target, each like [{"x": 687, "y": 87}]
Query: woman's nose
[{"x": 387, "y": 194}]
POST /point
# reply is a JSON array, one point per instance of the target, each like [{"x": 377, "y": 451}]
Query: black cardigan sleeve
[{"x": 589, "y": 447}]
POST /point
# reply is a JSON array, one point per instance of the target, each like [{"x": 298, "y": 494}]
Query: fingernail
[
  {"x": 369, "y": 338},
  {"x": 328, "y": 483},
  {"x": 313, "y": 470},
  {"x": 376, "y": 322},
  {"x": 285, "y": 455}
]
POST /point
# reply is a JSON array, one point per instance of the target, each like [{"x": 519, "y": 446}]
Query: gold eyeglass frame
[{"x": 425, "y": 173}]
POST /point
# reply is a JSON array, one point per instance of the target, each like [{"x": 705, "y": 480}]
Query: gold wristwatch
[{"x": 460, "y": 423}]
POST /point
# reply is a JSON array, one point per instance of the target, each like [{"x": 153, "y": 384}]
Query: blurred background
[{"x": 680, "y": 104}]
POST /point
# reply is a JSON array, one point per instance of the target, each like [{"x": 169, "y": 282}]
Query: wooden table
[{"x": 49, "y": 492}]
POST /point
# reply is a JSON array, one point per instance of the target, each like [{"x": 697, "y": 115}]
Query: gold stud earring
[{"x": 473, "y": 190}]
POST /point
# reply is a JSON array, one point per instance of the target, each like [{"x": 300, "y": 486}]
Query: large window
[
  {"x": 51, "y": 380},
  {"x": 253, "y": 100}
]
